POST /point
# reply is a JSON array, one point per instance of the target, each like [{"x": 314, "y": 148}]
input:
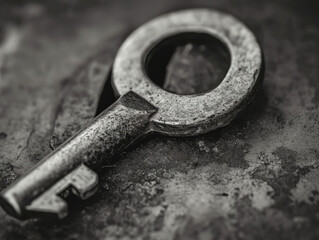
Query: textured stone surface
[{"x": 256, "y": 178}]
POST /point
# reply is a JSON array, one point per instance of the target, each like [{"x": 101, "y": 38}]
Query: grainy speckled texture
[
  {"x": 189, "y": 115},
  {"x": 108, "y": 135},
  {"x": 254, "y": 179}
]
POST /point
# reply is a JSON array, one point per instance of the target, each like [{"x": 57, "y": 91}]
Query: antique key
[{"x": 142, "y": 107}]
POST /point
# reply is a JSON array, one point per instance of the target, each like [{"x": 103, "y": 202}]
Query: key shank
[{"x": 107, "y": 135}]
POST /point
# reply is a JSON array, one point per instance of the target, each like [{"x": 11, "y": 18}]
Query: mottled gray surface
[{"x": 254, "y": 179}]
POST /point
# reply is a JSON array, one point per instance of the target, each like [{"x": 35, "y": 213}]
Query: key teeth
[
  {"x": 82, "y": 181},
  {"x": 46, "y": 206}
]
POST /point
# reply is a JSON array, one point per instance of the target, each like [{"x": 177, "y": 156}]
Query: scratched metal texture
[{"x": 256, "y": 178}]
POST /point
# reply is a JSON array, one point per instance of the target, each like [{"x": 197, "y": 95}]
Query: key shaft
[{"x": 107, "y": 135}]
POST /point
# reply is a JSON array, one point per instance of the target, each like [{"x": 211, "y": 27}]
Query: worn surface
[
  {"x": 105, "y": 137},
  {"x": 257, "y": 178},
  {"x": 189, "y": 115}
]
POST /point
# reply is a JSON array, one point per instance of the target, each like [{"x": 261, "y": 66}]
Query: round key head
[{"x": 187, "y": 115}]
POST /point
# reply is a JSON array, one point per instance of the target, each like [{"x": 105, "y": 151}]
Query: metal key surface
[{"x": 142, "y": 107}]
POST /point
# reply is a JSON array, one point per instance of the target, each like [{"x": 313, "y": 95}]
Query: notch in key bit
[{"x": 82, "y": 182}]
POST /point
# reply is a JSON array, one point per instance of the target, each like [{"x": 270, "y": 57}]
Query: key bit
[
  {"x": 82, "y": 182},
  {"x": 143, "y": 108}
]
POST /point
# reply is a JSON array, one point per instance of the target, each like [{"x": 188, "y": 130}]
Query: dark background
[{"x": 256, "y": 178}]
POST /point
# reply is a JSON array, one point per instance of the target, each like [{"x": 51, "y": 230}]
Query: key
[{"x": 142, "y": 108}]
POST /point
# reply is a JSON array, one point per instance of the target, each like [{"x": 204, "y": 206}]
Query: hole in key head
[{"x": 188, "y": 63}]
